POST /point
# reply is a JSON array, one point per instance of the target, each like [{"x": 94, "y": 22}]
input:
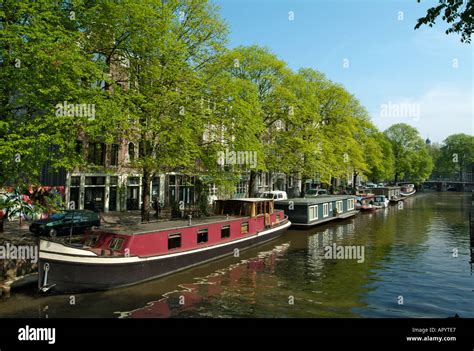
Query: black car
[{"x": 62, "y": 222}]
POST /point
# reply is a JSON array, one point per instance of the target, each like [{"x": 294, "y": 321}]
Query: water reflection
[{"x": 189, "y": 296}]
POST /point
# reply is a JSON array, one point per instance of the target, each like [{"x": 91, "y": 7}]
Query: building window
[
  {"x": 113, "y": 181},
  {"x": 133, "y": 181},
  {"x": 225, "y": 231},
  {"x": 202, "y": 236},
  {"x": 241, "y": 187},
  {"x": 131, "y": 151},
  {"x": 96, "y": 154},
  {"x": 114, "y": 151},
  {"x": 174, "y": 241},
  {"x": 325, "y": 210},
  {"x": 155, "y": 188},
  {"x": 79, "y": 146},
  {"x": 244, "y": 227},
  {"x": 95, "y": 180},
  {"x": 116, "y": 244},
  {"x": 212, "y": 190},
  {"x": 75, "y": 181},
  {"x": 313, "y": 212}
]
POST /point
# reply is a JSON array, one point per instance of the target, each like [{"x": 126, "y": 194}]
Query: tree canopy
[
  {"x": 459, "y": 14},
  {"x": 158, "y": 74}
]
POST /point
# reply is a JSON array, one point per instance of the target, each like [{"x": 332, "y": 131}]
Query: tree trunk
[
  {"x": 146, "y": 196},
  {"x": 333, "y": 185},
  {"x": 253, "y": 176},
  {"x": 396, "y": 178},
  {"x": 303, "y": 186},
  {"x": 354, "y": 179}
]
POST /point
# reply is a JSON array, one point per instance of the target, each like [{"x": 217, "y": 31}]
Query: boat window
[
  {"x": 350, "y": 204},
  {"x": 339, "y": 206},
  {"x": 174, "y": 241},
  {"x": 330, "y": 206},
  {"x": 313, "y": 212},
  {"x": 259, "y": 206},
  {"x": 202, "y": 236},
  {"x": 325, "y": 210},
  {"x": 91, "y": 240},
  {"x": 116, "y": 244},
  {"x": 225, "y": 231},
  {"x": 236, "y": 208},
  {"x": 244, "y": 228}
]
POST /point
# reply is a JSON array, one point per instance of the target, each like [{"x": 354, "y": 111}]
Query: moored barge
[
  {"x": 306, "y": 212},
  {"x": 408, "y": 190},
  {"x": 392, "y": 193},
  {"x": 125, "y": 256},
  {"x": 389, "y": 192},
  {"x": 366, "y": 203}
]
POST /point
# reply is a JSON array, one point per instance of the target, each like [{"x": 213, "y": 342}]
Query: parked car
[
  {"x": 275, "y": 194},
  {"x": 62, "y": 222},
  {"x": 315, "y": 192}
]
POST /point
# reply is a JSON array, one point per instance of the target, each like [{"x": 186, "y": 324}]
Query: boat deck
[{"x": 141, "y": 228}]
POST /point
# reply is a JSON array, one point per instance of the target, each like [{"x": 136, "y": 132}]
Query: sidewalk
[{"x": 12, "y": 230}]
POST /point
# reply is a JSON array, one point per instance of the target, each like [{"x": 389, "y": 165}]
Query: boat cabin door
[{"x": 268, "y": 210}]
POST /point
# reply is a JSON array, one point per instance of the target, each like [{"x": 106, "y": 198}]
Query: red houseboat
[{"x": 114, "y": 258}]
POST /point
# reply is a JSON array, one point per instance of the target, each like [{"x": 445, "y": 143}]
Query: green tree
[
  {"x": 382, "y": 164},
  {"x": 43, "y": 64},
  {"x": 412, "y": 159},
  {"x": 267, "y": 73},
  {"x": 159, "y": 50},
  {"x": 456, "y": 155}
]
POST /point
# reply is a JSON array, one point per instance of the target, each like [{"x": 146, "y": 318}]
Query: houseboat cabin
[
  {"x": 124, "y": 256},
  {"x": 390, "y": 192},
  {"x": 312, "y": 211}
]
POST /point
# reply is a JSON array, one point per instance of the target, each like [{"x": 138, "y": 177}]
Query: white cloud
[{"x": 442, "y": 111}]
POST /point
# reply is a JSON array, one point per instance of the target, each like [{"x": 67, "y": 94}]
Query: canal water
[{"x": 416, "y": 264}]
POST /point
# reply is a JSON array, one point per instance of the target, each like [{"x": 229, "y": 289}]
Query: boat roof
[
  {"x": 248, "y": 199},
  {"x": 315, "y": 200},
  {"x": 150, "y": 227}
]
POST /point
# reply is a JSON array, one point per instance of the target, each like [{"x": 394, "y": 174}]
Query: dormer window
[{"x": 131, "y": 151}]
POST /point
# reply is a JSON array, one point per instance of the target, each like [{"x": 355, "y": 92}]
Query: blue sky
[{"x": 388, "y": 63}]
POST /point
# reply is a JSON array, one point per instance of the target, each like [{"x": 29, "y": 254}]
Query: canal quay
[{"x": 416, "y": 263}]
